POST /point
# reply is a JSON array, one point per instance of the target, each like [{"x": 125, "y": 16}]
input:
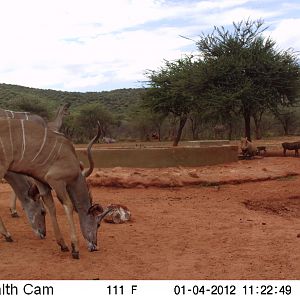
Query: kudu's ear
[
  {"x": 95, "y": 210},
  {"x": 33, "y": 191}
]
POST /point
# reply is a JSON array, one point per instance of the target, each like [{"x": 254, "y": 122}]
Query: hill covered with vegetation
[
  {"x": 124, "y": 117},
  {"x": 118, "y": 101}
]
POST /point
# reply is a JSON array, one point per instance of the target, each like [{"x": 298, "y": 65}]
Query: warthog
[
  {"x": 248, "y": 148},
  {"x": 291, "y": 146}
]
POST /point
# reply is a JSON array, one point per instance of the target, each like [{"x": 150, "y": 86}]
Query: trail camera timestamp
[
  {"x": 242, "y": 290},
  {"x": 267, "y": 289}
]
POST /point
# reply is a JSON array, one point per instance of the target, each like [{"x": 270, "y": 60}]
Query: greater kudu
[
  {"x": 54, "y": 125},
  {"x": 33, "y": 208},
  {"x": 50, "y": 158},
  {"x": 28, "y": 194}
]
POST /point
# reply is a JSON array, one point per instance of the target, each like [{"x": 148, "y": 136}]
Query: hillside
[{"x": 117, "y": 101}]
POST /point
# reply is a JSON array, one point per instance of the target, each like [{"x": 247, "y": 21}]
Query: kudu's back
[
  {"x": 10, "y": 114},
  {"x": 31, "y": 149}
]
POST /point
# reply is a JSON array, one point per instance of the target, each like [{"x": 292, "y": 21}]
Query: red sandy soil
[{"x": 233, "y": 221}]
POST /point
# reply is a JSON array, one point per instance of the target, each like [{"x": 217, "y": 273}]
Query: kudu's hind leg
[
  {"x": 4, "y": 231},
  {"x": 46, "y": 195},
  {"x": 13, "y": 207}
]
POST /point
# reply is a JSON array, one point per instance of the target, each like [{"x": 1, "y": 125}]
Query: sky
[{"x": 97, "y": 45}]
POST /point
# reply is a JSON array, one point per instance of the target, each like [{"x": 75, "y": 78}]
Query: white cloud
[
  {"x": 93, "y": 44},
  {"x": 286, "y": 34}
]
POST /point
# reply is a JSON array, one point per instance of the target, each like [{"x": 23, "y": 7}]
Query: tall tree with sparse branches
[
  {"x": 171, "y": 91},
  {"x": 246, "y": 73}
]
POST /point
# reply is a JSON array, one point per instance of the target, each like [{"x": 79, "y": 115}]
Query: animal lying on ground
[
  {"x": 291, "y": 146},
  {"x": 108, "y": 140},
  {"x": 119, "y": 214},
  {"x": 51, "y": 160},
  {"x": 248, "y": 148}
]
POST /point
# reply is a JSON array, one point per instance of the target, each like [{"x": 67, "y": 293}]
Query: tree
[
  {"x": 31, "y": 104},
  {"x": 246, "y": 74},
  {"x": 89, "y": 115},
  {"x": 171, "y": 91},
  {"x": 287, "y": 118}
]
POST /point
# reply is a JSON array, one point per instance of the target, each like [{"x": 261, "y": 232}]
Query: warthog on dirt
[
  {"x": 247, "y": 147},
  {"x": 291, "y": 146}
]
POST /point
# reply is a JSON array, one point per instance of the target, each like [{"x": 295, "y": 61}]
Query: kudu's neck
[
  {"x": 80, "y": 195},
  {"x": 55, "y": 124}
]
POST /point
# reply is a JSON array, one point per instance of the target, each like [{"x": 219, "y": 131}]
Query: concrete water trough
[
  {"x": 160, "y": 157},
  {"x": 205, "y": 143}
]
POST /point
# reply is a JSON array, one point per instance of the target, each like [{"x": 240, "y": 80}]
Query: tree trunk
[
  {"x": 257, "y": 129},
  {"x": 286, "y": 128},
  {"x": 247, "y": 125},
  {"x": 194, "y": 128},
  {"x": 179, "y": 131},
  {"x": 230, "y": 129},
  {"x": 257, "y": 123}
]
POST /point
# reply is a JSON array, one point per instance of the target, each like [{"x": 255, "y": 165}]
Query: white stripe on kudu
[
  {"x": 11, "y": 140},
  {"x": 12, "y": 114},
  {"x": 3, "y": 149},
  {"x": 23, "y": 140},
  {"x": 43, "y": 144},
  {"x": 46, "y": 160}
]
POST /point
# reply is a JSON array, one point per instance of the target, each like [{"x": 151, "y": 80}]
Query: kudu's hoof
[
  {"x": 92, "y": 247},
  {"x": 8, "y": 239},
  {"x": 42, "y": 234},
  {"x": 64, "y": 248},
  {"x": 75, "y": 255},
  {"x": 14, "y": 214}
]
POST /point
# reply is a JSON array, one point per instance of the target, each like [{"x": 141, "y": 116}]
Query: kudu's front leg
[
  {"x": 74, "y": 241},
  {"x": 63, "y": 196},
  {"x": 49, "y": 203}
]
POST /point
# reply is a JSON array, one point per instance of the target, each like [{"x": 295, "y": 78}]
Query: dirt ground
[{"x": 233, "y": 221}]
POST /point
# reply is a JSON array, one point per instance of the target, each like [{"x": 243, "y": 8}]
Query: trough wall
[{"x": 160, "y": 157}]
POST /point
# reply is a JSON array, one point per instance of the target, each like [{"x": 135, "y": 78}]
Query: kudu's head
[
  {"x": 35, "y": 211},
  {"x": 95, "y": 214}
]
